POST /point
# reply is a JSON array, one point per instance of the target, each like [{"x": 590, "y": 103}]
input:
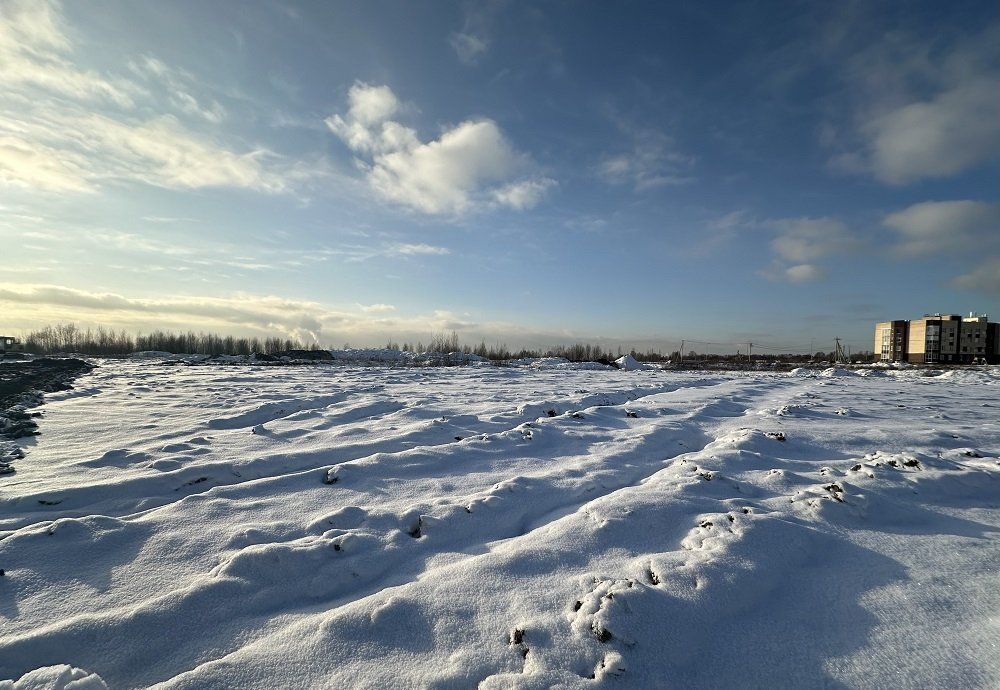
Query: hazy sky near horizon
[{"x": 534, "y": 173}]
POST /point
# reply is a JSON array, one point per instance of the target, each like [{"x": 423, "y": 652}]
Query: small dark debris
[
  {"x": 458, "y": 438},
  {"x": 199, "y": 480},
  {"x": 633, "y": 415},
  {"x": 516, "y": 636},
  {"x": 971, "y": 454},
  {"x": 776, "y": 435},
  {"x": 336, "y": 547},
  {"x": 911, "y": 462},
  {"x": 893, "y": 463},
  {"x": 330, "y": 478},
  {"x": 2, "y": 572},
  {"x": 415, "y": 532},
  {"x": 835, "y": 490},
  {"x": 731, "y": 518},
  {"x": 49, "y": 503},
  {"x": 551, "y": 413},
  {"x": 705, "y": 524},
  {"x": 577, "y": 415},
  {"x": 654, "y": 579},
  {"x": 746, "y": 511},
  {"x": 856, "y": 468},
  {"x": 603, "y": 634},
  {"x": 577, "y": 606}
]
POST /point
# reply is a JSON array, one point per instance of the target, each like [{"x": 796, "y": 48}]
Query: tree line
[{"x": 103, "y": 342}]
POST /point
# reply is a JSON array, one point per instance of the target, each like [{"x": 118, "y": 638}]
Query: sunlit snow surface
[{"x": 522, "y": 527}]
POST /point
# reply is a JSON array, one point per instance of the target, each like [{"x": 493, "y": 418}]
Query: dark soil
[{"x": 22, "y": 385}]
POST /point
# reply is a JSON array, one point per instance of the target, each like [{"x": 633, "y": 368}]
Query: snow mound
[
  {"x": 630, "y": 363},
  {"x": 836, "y": 372},
  {"x": 62, "y": 677}
]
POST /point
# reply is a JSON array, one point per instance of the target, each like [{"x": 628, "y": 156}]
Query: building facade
[{"x": 939, "y": 339}]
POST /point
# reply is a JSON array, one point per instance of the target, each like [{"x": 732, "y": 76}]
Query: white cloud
[
  {"x": 468, "y": 165},
  {"x": 798, "y": 273},
  {"x": 925, "y": 113},
  {"x": 468, "y": 47},
  {"x": 524, "y": 194},
  {"x": 377, "y": 308},
  {"x": 803, "y": 273},
  {"x": 802, "y": 240},
  {"x": 946, "y": 134},
  {"x": 984, "y": 278},
  {"x": 938, "y": 227}
]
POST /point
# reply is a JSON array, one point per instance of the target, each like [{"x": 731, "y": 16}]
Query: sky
[{"x": 534, "y": 173}]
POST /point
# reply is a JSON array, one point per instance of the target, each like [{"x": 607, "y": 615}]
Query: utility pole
[
  {"x": 750, "y": 356},
  {"x": 682, "y": 352}
]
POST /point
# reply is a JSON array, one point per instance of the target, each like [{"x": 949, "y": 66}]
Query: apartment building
[{"x": 939, "y": 339}]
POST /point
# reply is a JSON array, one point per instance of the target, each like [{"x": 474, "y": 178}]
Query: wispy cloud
[
  {"x": 33, "y": 305},
  {"x": 984, "y": 278},
  {"x": 474, "y": 39},
  {"x": 468, "y": 166},
  {"x": 652, "y": 159},
  {"x": 377, "y": 308},
  {"x": 65, "y": 128},
  {"x": 469, "y": 47},
  {"x": 799, "y": 243},
  {"x": 797, "y": 273},
  {"x": 418, "y": 248}
]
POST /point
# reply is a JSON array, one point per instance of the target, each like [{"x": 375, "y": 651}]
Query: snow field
[{"x": 505, "y": 528}]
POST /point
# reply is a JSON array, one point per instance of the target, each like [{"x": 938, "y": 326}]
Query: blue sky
[{"x": 534, "y": 173}]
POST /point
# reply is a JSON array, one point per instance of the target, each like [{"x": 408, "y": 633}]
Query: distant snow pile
[
  {"x": 151, "y": 354},
  {"x": 833, "y": 372},
  {"x": 556, "y": 363},
  {"x": 399, "y": 357},
  {"x": 630, "y": 363}
]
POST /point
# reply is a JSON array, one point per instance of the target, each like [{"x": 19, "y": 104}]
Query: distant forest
[{"x": 103, "y": 342}]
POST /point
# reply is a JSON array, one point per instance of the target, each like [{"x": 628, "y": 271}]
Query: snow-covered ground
[{"x": 521, "y": 527}]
